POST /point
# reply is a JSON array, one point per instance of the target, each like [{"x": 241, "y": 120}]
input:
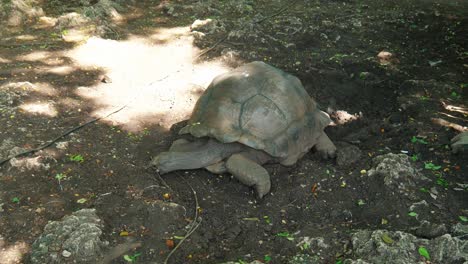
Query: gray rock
[
  {"x": 304, "y": 259},
  {"x": 460, "y": 230},
  {"x": 430, "y": 230},
  {"x": 73, "y": 239},
  {"x": 347, "y": 154},
  {"x": 382, "y": 246},
  {"x": 397, "y": 172}
]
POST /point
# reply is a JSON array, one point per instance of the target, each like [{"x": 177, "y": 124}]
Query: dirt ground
[{"x": 393, "y": 76}]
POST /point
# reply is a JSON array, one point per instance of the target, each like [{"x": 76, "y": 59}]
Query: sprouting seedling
[
  {"x": 59, "y": 177},
  {"x": 267, "y": 219},
  {"x": 267, "y": 258},
  {"x": 77, "y": 158},
  {"x": 361, "y": 202},
  {"x": 415, "y": 157},
  {"x": 15, "y": 199},
  {"x": 415, "y": 139},
  {"x": 132, "y": 258},
  {"x": 431, "y": 166}
]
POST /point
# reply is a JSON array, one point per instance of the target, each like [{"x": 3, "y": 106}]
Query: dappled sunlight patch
[
  {"x": 26, "y": 37},
  {"x": 12, "y": 253},
  {"x": 40, "y": 108},
  {"x": 4, "y": 60},
  {"x": 341, "y": 117},
  {"x": 60, "y": 70},
  {"x": 155, "y": 77},
  {"x": 29, "y": 163},
  {"x": 448, "y": 124},
  {"x": 35, "y": 56}
]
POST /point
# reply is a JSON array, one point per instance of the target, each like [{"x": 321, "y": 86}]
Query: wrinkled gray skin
[{"x": 246, "y": 118}]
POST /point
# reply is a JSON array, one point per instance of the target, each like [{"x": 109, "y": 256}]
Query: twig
[
  {"x": 212, "y": 47},
  {"x": 24, "y": 153},
  {"x": 164, "y": 182},
  {"x": 193, "y": 225},
  {"x": 279, "y": 12}
]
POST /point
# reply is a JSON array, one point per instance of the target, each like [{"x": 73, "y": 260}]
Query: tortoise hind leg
[{"x": 249, "y": 173}]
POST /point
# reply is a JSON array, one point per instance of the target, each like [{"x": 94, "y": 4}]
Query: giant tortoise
[{"x": 247, "y": 117}]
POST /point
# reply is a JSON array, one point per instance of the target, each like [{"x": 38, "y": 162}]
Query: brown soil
[{"x": 151, "y": 65}]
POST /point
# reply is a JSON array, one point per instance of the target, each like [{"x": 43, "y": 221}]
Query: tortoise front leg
[
  {"x": 186, "y": 155},
  {"x": 325, "y": 146},
  {"x": 249, "y": 173}
]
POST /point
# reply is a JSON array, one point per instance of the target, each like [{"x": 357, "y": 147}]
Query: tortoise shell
[{"x": 261, "y": 107}]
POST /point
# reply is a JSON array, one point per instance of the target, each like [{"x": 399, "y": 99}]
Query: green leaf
[
  {"x": 424, "y": 190},
  {"x": 431, "y": 166},
  {"x": 415, "y": 139},
  {"x": 442, "y": 182},
  {"x": 387, "y": 239},
  {"x": 412, "y": 214},
  {"x": 463, "y": 218},
  {"x": 361, "y": 202},
  {"x": 77, "y": 158},
  {"x": 15, "y": 200},
  {"x": 339, "y": 261},
  {"x": 82, "y": 201},
  {"x": 267, "y": 258},
  {"x": 128, "y": 258},
  {"x": 423, "y": 252},
  {"x": 286, "y": 235}
]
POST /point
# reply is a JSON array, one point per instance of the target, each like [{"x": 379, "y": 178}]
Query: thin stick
[
  {"x": 193, "y": 225},
  {"x": 24, "y": 153}
]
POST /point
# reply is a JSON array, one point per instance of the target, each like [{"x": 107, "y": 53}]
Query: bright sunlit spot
[
  {"x": 41, "y": 108},
  {"x": 155, "y": 78},
  {"x": 13, "y": 253}
]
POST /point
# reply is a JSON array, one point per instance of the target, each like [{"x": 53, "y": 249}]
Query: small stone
[{"x": 66, "y": 253}]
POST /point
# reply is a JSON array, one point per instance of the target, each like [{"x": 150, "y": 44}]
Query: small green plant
[
  {"x": 431, "y": 166},
  {"x": 463, "y": 218},
  {"x": 415, "y": 157},
  {"x": 60, "y": 176},
  {"x": 361, "y": 202},
  {"x": 132, "y": 258},
  {"x": 455, "y": 95},
  {"x": 267, "y": 219},
  {"x": 424, "y": 190},
  {"x": 424, "y": 253},
  {"x": 304, "y": 246},
  {"x": 412, "y": 214},
  {"x": 286, "y": 235},
  {"x": 442, "y": 182},
  {"x": 77, "y": 158},
  {"x": 339, "y": 261},
  {"x": 267, "y": 258},
  {"x": 15, "y": 200},
  {"x": 415, "y": 139}
]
